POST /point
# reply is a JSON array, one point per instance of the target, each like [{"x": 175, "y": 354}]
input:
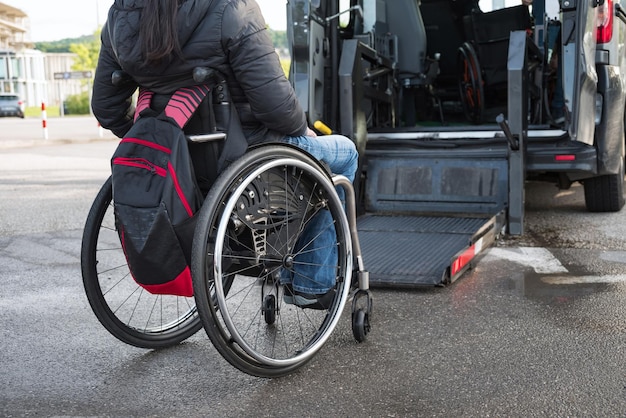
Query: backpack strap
[
  {"x": 143, "y": 102},
  {"x": 184, "y": 103}
]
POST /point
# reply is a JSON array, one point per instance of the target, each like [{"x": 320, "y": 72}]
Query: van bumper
[{"x": 563, "y": 157}]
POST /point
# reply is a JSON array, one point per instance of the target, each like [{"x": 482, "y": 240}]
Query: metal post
[
  {"x": 351, "y": 214},
  {"x": 518, "y": 122},
  {"x": 61, "y": 99},
  {"x": 351, "y": 115}
]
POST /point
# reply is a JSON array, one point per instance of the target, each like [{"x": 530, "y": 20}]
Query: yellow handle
[{"x": 321, "y": 127}]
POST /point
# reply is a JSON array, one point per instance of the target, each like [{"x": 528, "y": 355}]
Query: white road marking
[
  {"x": 544, "y": 262},
  {"x": 540, "y": 259}
]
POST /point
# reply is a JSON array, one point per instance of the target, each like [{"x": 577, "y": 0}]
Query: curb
[{"x": 30, "y": 143}]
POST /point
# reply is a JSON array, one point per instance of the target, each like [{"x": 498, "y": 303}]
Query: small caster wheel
[
  {"x": 360, "y": 325},
  {"x": 269, "y": 309}
]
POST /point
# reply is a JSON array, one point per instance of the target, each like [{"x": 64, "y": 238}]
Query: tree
[
  {"x": 62, "y": 45},
  {"x": 86, "y": 53},
  {"x": 279, "y": 38}
]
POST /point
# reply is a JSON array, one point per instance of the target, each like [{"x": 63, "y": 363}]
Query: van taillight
[{"x": 605, "y": 22}]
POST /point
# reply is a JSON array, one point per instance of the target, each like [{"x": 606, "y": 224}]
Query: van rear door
[{"x": 578, "y": 43}]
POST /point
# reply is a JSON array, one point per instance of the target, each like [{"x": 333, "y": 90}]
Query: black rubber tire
[
  {"x": 233, "y": 320},
  {"x": 360, "y": 325},
  {"x": 471, "y": 88},
  {"x": 124, "y": 308},
  {"x": 605, "y": 193},
  {"x": 269, "y": 309}
]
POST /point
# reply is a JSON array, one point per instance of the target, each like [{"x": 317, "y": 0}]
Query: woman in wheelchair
[{"x": 158, "y": 43}]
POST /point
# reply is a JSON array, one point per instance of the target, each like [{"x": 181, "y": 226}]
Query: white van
[{"x": 453, "y": 109}]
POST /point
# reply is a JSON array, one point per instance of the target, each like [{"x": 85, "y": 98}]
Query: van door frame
[{"x": 580, "y": 80}]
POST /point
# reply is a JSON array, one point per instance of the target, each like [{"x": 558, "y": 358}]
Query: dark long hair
[{"x": 158, "y": 32}]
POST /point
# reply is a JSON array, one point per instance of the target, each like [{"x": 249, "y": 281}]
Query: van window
[{"x": 344, "y": 19}]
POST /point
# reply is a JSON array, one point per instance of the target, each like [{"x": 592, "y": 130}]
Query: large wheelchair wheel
[
  {"x": 126, "y": 310},
  {"x": 246, "y": 239},
  {"x": 471, "y": 89}
]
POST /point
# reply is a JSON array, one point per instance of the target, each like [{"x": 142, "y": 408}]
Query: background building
[
  {"x": 14, "y": 28},
  {"x": 28, "y": 72}
]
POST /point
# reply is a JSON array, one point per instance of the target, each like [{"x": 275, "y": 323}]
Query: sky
[{"x": 51, "y": 20}]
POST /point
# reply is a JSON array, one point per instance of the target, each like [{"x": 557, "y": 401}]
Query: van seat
[
  {"x": 490, "y": 34},
  {"x": 405, "y": 20},
  {"x": 444, "y": 35}
]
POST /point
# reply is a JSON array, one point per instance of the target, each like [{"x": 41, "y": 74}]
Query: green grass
[
  {"x": 35, "y": 111},
  {"x": 51, "y": 111}
]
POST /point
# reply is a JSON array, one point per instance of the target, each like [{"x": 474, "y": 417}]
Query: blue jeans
[{"x": 315, "y": 263}]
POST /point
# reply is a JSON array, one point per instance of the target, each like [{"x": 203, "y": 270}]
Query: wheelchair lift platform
[
  {"x": 411, "y": 251},
  {"x": 431, "y": 211}
]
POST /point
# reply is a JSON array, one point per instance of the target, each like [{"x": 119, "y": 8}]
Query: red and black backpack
[{"x": 155, "y": 193}]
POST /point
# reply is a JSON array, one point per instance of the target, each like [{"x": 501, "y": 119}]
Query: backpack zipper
[
  {"x": 140, "y": 163},
  {"x": 145, "y": 143},
  {"x": 155, "y": 169},
  {"x": 179, "y": 190}
]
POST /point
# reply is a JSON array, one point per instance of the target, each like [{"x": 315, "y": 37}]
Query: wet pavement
[{"x": 536, "y": 328}]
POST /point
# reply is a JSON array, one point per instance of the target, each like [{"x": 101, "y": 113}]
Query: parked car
[{"x": 11, "y": 105}]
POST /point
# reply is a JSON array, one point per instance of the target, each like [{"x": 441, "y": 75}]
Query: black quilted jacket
[{"x": 228, "y": 35}]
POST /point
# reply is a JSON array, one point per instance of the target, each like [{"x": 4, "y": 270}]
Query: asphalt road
[
  {"x": 15, "y": 132},
  {"x": 537, "y": 328}
]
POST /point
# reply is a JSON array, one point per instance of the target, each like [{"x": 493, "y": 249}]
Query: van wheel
[{"x": 605, "y": 193}]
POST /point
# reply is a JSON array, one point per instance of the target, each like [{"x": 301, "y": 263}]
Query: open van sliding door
[
  {"x": 578, "y": 42},
  {"x": 311, "y": 55}
]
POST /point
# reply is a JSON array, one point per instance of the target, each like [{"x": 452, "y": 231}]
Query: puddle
[
  {"x": 562, "y": 288},
  {"x": 569, "y": 280},
  {"x": 581, "y": 274},
  {"x": 614, "y": 256},
  {"x": 576, "y": 302}
]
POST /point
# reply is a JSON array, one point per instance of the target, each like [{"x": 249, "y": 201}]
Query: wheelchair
[
  {"x": 247, "y": 237},
  {"x": 482, "y": 58}
]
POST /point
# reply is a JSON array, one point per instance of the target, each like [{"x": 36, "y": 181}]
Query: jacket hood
[{"x": 122, "y": 27}]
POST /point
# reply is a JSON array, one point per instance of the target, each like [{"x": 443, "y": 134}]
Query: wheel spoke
[
  {"x": 125, "y": 309},
  {"x": 275, "y": 199}
]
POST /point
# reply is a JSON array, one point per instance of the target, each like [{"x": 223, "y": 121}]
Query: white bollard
[{"x": 44, "y": 120}]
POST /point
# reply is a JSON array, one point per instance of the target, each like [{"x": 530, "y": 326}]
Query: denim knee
[{"x": 337, "y": 151}]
